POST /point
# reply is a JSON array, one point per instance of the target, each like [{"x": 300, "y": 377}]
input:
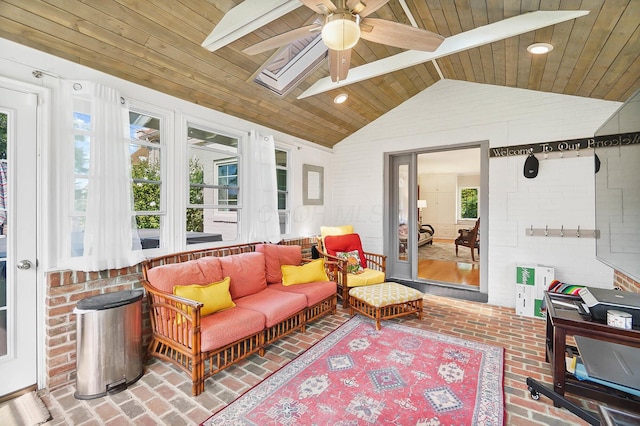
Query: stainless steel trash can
[{"x": 108, "y": 343}]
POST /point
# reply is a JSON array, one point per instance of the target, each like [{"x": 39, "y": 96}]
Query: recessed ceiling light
[
  {"x": 340, "y": 98},
  {"x": 539, "y": 48}
]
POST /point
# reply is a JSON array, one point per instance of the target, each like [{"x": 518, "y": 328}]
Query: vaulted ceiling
[{"x": 157, "y": 44}]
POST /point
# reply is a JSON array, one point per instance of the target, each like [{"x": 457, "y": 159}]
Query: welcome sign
[{"x": 607, "y": 141}]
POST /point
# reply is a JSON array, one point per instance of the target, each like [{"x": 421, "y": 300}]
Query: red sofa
[{"x": 264, "y": 310}]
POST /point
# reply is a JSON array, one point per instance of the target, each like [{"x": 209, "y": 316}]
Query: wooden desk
[{"x": 563, "y": 322}]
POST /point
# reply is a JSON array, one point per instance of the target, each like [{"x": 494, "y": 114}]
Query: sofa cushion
[
  {"x": 277, "y": 255},
  {"x": 345, "y": 243},
  {"x": 227, "y": 326},
  {"x": 274, "y": 305},
  {"x": 199, "y": 271},
  {"x": 247, "y": 273},
  {"x": 214, "y": 297},
  {"x": 309, "y": 272},
  {"x": 211, "y": 268},
  {"x": 315, "y": 291}
]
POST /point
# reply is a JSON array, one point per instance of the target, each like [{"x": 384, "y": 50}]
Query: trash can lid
[{"x": 110, "y": 300}]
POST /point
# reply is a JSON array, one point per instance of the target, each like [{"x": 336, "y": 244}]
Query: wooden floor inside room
[
  {"x": 450, "y": 272},
  {"x": 448, "y": 267}
]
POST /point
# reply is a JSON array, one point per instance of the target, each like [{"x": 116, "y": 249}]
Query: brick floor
[{"x": 163, "y": 394}]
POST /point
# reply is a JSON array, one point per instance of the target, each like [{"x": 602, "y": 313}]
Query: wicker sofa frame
[{"x": 176, "y": 323}]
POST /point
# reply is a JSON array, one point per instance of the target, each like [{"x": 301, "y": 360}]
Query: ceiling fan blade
[
  {"x": 480, "y": 36},
  {"x": 323, "y": 7},
  {"x": 245, "y": 18},
  {"x": 339, "y": 64},
  {"x": 399, "y": 35},
  {"x": 366, "y": 8},
  {"x": 280, "y": 39}
]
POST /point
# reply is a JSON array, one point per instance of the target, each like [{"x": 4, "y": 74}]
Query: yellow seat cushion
[
  {"x": 385, "y": 294},
  {"x": 308, "y": 273},
  {"x": 215, "y": 296},
  {"x": 367, "y": 277}
]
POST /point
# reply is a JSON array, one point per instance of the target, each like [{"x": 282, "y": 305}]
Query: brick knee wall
[
  {"x": 64, "y": 290},
  {"x": 625, "y": 283}
]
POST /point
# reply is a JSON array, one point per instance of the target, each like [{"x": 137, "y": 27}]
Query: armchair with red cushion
[{"x": 354, "y": 266}]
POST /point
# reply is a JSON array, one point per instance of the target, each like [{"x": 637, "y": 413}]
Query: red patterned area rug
[{"x": 359, "y": 376}]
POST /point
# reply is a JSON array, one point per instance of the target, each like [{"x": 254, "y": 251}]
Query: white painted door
[{"x": 18, "y": 177}]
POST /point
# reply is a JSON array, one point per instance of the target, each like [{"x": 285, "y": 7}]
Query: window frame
[
  {"x": 163, "y": 212},
  {"x": 220, "y": 130}
]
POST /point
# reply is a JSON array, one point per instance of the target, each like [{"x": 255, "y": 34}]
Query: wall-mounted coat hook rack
[{"x": 562, "y": 232}]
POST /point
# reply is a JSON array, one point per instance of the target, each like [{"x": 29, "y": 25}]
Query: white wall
[
  {"x": 17, "y": 63},
  {"x": 454, "y": 112}
]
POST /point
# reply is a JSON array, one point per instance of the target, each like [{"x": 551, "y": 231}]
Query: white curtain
[
  {"x": 261, "y": 200},
  {"x": 108, "y": 236},
  {"x": 4, "y": 184}
]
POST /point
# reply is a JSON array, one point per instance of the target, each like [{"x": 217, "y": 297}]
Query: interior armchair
[
  {"x": 353, "y": 267},
  {"x": 469, "y": 238}
]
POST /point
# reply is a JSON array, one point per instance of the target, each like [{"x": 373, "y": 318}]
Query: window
[
  {"x": 96, "y": 198},
  {"x": 291, "y": 64},
  {"x": 213, "y": 205},
  {"x": 468, "y": 202},
  {"x": 282, "y": 174},
  {"x": 146, "y": 150}
]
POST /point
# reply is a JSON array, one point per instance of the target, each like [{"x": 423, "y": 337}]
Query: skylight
[{"x": 292, "y": 64}]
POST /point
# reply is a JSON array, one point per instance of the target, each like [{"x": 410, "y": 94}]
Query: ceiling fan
[
  {"x": 343, "y": 23},
  {"x": 250, "y": 15}
]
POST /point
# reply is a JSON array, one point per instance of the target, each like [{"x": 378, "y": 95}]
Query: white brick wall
[{"x": 453, "y": 112}]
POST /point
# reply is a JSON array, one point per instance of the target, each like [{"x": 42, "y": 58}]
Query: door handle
[{"x": 24, "y": 264}]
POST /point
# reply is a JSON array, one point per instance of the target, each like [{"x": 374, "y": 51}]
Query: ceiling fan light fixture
[
  {"x": 341, "y": 31},
  {"x": 539, "y": 48},
  {"x": 340, "y": 98}
]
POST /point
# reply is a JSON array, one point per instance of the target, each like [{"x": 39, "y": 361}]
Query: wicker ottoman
[{"x": 385, "y": 301}]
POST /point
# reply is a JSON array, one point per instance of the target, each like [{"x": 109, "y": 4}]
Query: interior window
[{"x": 468, "y": 202}]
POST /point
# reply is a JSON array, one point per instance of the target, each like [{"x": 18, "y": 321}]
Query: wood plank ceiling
[{"x": 156, "y": 43}]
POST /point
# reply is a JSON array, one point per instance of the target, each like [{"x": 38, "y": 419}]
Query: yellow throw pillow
[
  {"x": 308, "y": 273},
  {"x": 215, "y": 296}
]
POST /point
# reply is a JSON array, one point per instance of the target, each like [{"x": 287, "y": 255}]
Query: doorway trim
[{"x": 484, "y": 205}]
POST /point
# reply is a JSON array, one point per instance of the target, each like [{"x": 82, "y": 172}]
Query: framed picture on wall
[{"x": 312, "y": 185}]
